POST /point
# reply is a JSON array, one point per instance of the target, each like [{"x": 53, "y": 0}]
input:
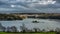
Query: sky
[{"x": 29, "y": 6}]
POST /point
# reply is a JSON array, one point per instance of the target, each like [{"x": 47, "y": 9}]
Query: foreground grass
[{"x": 29, "y": 33}]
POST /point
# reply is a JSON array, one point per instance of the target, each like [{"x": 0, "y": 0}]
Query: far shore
[{"x": 22, "y": 16}]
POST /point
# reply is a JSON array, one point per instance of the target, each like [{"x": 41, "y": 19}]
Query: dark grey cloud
[
  {"x": 58, "y": 1},
  {"x": 24, "y": 6}
]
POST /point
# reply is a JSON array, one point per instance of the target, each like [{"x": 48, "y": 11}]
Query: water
[{"x": 43, "y": 23}]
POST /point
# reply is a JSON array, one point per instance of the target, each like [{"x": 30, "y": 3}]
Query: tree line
[{"x": 24, "y": 29}]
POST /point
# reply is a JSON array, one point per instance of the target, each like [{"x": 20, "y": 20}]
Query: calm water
[{"x": 43, "y": 23}]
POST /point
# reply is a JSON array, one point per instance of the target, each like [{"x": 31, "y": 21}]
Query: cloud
[
  {"x": 58, "y": 1},
  {"x": 31, "y": 6}
]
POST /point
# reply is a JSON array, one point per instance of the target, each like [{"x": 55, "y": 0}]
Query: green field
[{"x": 29, "y": 33}]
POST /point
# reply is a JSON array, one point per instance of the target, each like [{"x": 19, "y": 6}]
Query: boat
[{"x": 35, "y": 21}]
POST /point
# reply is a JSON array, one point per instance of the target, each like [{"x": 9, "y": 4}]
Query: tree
[
  {"x": 13, "y": 29},
  {"x": 8, "y": 29},
  {"x": 2, "y": 28},
  {"x": 57, "y": 30},
  {"x": 36, "y": 29},
  {"x": 23, "y": 28},
  {"x": 43, "y": 30}
]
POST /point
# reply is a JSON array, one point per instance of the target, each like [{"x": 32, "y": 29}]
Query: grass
[{"x": 29, "y": 33}]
